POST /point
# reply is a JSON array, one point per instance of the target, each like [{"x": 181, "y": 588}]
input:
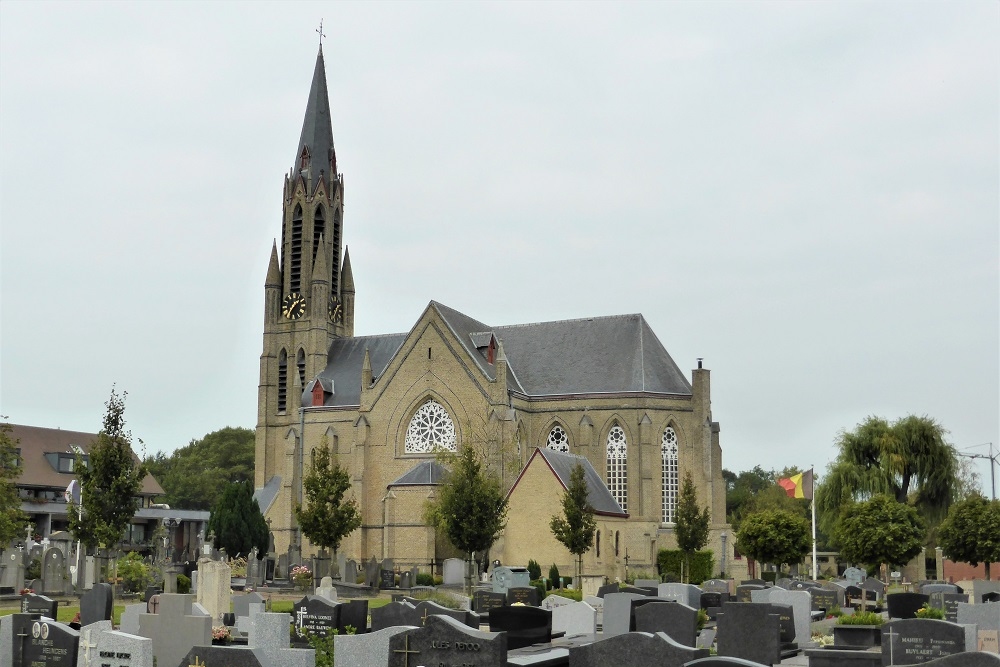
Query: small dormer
[
  {"x": 317, "y": 392},
  {"x": 486, "y": 344}
]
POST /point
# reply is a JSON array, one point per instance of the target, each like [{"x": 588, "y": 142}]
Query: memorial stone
[
  {"x": 717, "y": 586},
  {"x": 353, "y": 614},
  {"x": 986, "y": 617},
  {"x": 801, "y": 604},
  {"x": 445, "y": 641},
  {"x": 930, "y": 589},
  {"x": 504, "y": 578},
  {"x": 744, "y": 592},
  {"x": 647, "y": 583},
  {"x": 524, "y": 595},
  {"x": 129, "y": 622},
  {"x": 905, "y": 605},
  {"x": 387, "y": 579},
  {"x": 948, "y": 603},
  {"x": 13, "y": 571},
  {"x": 618, "y": 613},
  {"x": 119, "y": 649},
  {"x": 406, "y": 579},
  {"x": 711, "y": 600},
  {"x": 174, "y": 629},
  {"x": 706, "y": 638},
  {"x": 873, "y": 584},
  {"x": 855, "y": 575},
  {"x": 97, "y": 604},
  {"x": 524, "y": 626},
  {"x": 598, "y": 605},
  {"x": 485, "y": 601},
  {"x": 688, "y": 594},
  {"x": 339, "y": 573},
  {"x": 221, "y": 656},
  {"x": 40, "y": 642},
  {"x": 315, "y": 615},
  {"x": 54, "y": 577},
  {"x": 426, "y": 608},
  {"x": 214, "y": 588},
  {"x": 453, "y": 572},
  {"x": 749, "y": 631},
  {"x": 825, "y": 599},
  {"x": 576, "y": 618},
  {"x": 754, "y": 582},
  {"x": 367, "y": 650},
  {"x": 785, "y": 583},
  {"x": 607, "y": 588},
  {"x": 351, "y": 571},
  {"x": 241, "y": 603},
  {"x": 88, "y": 641},
  {"x": 269, "y": 640},
  {"x": 635, "y": 649},
  {"x": 981, "y": 587},
  {"x": 677, "y": 620},
  {"x": 917, "y": 640},
  {"x": 371, "y": 573},
  {"x": 552, "y": 601},
  {"x": 393, "y": 614},
  {"x": 326, "y": 589},
  {"x": 39, "y": 604}
]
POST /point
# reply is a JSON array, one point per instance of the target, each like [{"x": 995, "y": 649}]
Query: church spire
[
  {"x": 316, "y": 153},
  {"x": 346, "y": 275},
  {"x": 273, "y": 272}
]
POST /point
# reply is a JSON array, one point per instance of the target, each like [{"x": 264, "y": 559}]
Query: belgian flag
[{"x": 798, "y": 486}]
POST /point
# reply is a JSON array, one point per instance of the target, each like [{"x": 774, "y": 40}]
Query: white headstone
[
  {"x": 453, "y": 571},
  {"x": 576, "y": 618},
  {"x": 618, "y": 612},
  {"x": 214, "y": 588},
  {"x": 688, "y": 594}
]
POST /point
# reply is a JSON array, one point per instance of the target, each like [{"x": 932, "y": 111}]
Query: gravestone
[
  {"x": 453, "y": 572},
  {"x": 326, "y": 589},
  {"x": 598, "y": 605},
  {"x": 315, "y": 615},
  {"x": 905, "y": 605},
  {"x": 744, "y": 591},
  {"x": 504, "y": 578},
  {"x": 855, "y": 575},
  {"x": 677, "y": 620},
  {"x": 635, "y": 649},
  {"x": 371, "y": 573},
  {"x": 717, "y": 586},
  {"x": 39, "y": 642},
  {"x": 981, "y": 587},
  {"x": 688, "y": 594},
  {"x": 241, "y": 603},
  {"x": 576, "y": 618},
  {"x": 13, "y": 571},
  {"x": 524, "y": 625},
  {"x": 647, "y": 583},
  {"x": 54, "y": 578},
  {"x": 552, "y": 601},
  {"x": 150, "y": 592},
  {"x": 174, "y": 629},
  {"x": 826, "y": 599},
  {"x": 445, "y": 641},
  {"x": 269, "y": 640},
  {"x": 618, "y": 612},
  {"x": 986, "y": 618},
  {"x": 427, "y": 608},
  {"x": 214, "y": 588},
  {"x": 706, "y": 638},
  {"x": 749, "y": 631},
  {"x": 221, "y": 656},
  {"x": 88, "y": 641},
  {"x": 607, "y": 588},
  {"x": 485, "y": 601},
  {"x": 119, "y": 649},
  {"x": 243, "y": 622},
  {"x": 97, "y": 604},
  {"x": 524, "y": 595},
  {"x": 948, "y": 603},
  {"x": 351, "y": 571},
  {"x": 873, "y": 584},
  {"x": 754, "y": 582},
  {"x": 784, "y": 611},
  {"x": 367, "y": 650},
  {"x": 709, "y": 601},
  {"x": 406, "y": 579},
  {"x": 785, "y": 583},
  {"x": 39, "y": 604},
  {"x": 387, "y": 579},
  {"x": 931, "y": 589},
  {"x": 801, "y": 604},
  {"x": 339, "y": 573},
  {"x": 353, "y": 614},
  {"x": 393, "y": 614},
  {"x": 129, "y": 622},
  {"x": 917, "y": 640},
  {"x": 153, "y": 605}
]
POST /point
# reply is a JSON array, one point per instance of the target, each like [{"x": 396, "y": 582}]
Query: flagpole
[{"x": 812, "y": 474}]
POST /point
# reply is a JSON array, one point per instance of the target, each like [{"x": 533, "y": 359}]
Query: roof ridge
[{"x": 623, "y": 316}]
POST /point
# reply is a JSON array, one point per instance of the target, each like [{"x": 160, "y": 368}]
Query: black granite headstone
[
  {"x": 948, "y": 602},
  {"x": 524, "y": 625},
  {"x": 677, "y": 620},
  {"x": 387, "y": 579},
  {"x": 445, "y": 641},
  {"x": 635, "y": 649},
  {"x": 525, "y": 595},
  {"x": 39, "y": 604},
  {"x": 743, "y": 591},
  {"x": 787, "y": 621},
  {"x": 608, "y": 588},
  {"x": 426, "y": 608},
  {"x": 97, "y": 604},
  {"x": 917, "y": 640},
  {"x": 709, "y": 600},
  {"x": 749, "y": 631},
  {"x": 353, "y": 613},
  {"x": 394, "y": 614},
  {"x": 150, "y": 592},
  {"x": 824, "y": 599},
  {"x": 905, "y": 605},
  {"x": 485, "y": 601},
  {"x": 42, "y": 643},
  {"x": 221, "y": 656},
  {"x": 314, "y": 615}
]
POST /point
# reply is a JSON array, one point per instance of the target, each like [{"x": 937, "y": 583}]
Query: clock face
[
  {"x": 334, "y": 310},
  {"x": 293, "y": 306}
]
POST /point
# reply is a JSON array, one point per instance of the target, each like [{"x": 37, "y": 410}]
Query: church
[{"x": 602, "y": 391}]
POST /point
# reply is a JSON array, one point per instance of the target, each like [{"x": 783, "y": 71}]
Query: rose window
[
  {"x": 430, "y": 429},
  {"x": 558, "y": 440}
]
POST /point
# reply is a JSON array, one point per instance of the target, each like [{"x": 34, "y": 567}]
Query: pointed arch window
[
  {"x": 282, "y": 381},
  {"x": 558, "y": 440},
  {"x": 617, "y": 466},
  {"x": 668, "y": 455},
  {"x": 430, "y": 429},
  {"x": 295, "y": 274},
  {"x": 300, "y": 365},
  {"x": 319, "y": 228}
]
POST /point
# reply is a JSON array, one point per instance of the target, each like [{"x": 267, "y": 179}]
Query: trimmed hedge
[
  {"x": 572, "y": 594},
  {"x": 668, "y": 561}
]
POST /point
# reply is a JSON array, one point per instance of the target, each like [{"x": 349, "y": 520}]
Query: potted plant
[
  {"x": 221, "y": 636},
  {"x": 860, "y": 630},
  {"x": 301, "y": 577}
]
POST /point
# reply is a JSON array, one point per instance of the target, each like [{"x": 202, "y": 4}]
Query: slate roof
[
  {"x": 562, "y": 465},
  {"x": 317, "y": 127},
  {"x": 38, "y": 472},
  {"x": 267, "y": 493},
  {"x": 423, "y": 474},
  {"x": 616, "y": 354}
]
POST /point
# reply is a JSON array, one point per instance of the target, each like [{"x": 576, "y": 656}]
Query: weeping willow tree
[{"x": 907, "y": 460}]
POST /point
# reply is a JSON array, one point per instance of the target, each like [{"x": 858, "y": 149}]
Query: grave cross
[
  {"x": 406, "y": 650},
  {"x": 423, "y": 621},
  {"x": 300, "y": 615},
  {"x": 196, "y": 663},
  {"x": 87, "y": 646}
]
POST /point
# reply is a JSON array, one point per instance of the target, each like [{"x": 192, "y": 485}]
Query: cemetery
[{"x": 506, "y": 621}]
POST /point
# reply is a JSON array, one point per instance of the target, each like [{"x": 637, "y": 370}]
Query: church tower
[{"x": 309, "y": 289}]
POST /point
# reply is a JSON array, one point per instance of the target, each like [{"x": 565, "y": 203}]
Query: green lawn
[{"x": 66, "y": 614}]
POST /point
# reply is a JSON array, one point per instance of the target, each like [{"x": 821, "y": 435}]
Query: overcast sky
[{"x": 803, "y": 193}]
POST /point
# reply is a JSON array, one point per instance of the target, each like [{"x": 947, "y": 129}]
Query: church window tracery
[
  {"x": 282, "y": 380},
  {"x": 430, "y": 429},
  {"x": 557, "y": 439},
  {"x": 295, "y": 275},
  {"x": 617, "y": 466},
  {"x": 668, "y": 453}
]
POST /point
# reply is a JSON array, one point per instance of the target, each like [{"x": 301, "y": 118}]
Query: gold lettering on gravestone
[{"x": 989, "y": 641}]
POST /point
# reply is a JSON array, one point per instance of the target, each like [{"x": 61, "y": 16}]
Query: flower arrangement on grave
[
  {"x": 822, "y": 640},
  {"x": 221, "y": 635},
  {"x": 930, "y": 612},
  {"x": 27, "y": 591},
  {"x": 302, "y": 577},
  {"x": 862, "y": 618}
]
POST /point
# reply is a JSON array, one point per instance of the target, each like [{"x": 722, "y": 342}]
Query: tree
[
  {"x": 774, "y": 536},
  {"x": 971, "y": 532},
  {"x": 195, "y": 475},
  {"x": 741, "y": 488},
  {"x": 879, "y": 531},
  {"x": 110, "y": 480},
  {"x": 328, "y": 517},
  {"x": 907, "y": 460},
  {"x": 12, "y": 520},
  {"x": 575, "y": 528},
  {"x": 237, "y": 522},
  {"x": 692, "y": 521},
  {"x": 471, "y": 507}
]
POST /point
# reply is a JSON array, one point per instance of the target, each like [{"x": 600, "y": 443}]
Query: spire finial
[{"x": 320, "y": 31}]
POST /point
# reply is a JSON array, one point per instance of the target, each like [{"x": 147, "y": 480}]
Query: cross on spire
[{"x": 320, "y": 31}]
